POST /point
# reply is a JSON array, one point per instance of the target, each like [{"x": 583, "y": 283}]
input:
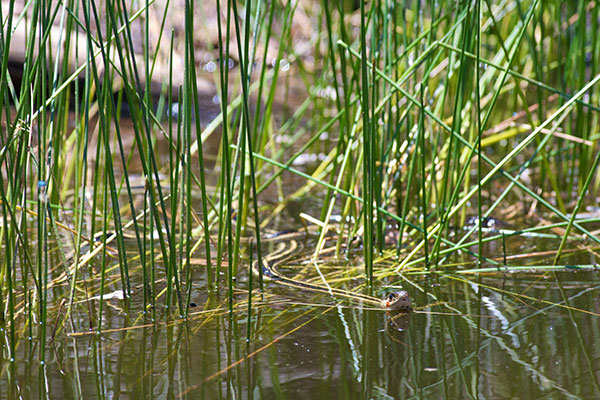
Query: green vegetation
[{"x": 419, "y": 114}]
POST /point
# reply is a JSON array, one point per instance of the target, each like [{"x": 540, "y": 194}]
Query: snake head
[{"x": 397, "y": 301}]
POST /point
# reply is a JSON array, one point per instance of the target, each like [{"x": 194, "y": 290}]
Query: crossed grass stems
[{"x": 418, "y": 112}]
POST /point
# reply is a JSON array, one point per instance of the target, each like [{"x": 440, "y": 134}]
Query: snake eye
[{"x": 391, "y": 296}]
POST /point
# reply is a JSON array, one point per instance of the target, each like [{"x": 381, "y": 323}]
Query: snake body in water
[{"x": 396, "y": 301}]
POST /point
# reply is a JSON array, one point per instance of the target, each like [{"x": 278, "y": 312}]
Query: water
[{"x": 487, "y": 336}]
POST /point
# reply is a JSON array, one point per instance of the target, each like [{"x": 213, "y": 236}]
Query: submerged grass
[{"x": 418, "y": 115}]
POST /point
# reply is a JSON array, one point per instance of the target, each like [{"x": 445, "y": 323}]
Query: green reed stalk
[
  {"x": 188, "y": 114},
  {"x": 250, "y": 278},
  {"x": 580, "y": 77},
  {"x": 263, "y": 70},
  {"x": 193, "y": 89},
  {"x": 242, "y": 202},
  {"x": 148, "y": 269},
  {"x": 246, "y": 113},
  {"x": 479, "y": 132},
  {"x": 43, "y": 174},
  {"x": 367, "y": 152},
  {"x": 103, "y": 265},
  {"x": 5, "y": 40},
  {"x": 182, "y": 140},
  {"x": 8, "y": 267},
  {"x": 174, "y": 165},
  {"x": 226, "y": 184},
  {"x": 423, "y": 192},
  {"x": 376, "y": 177}
]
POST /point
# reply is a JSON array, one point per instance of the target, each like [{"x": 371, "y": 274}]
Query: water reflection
[
  {"x": 484, "y": 336},
  {"x": 476, "y": 345}
]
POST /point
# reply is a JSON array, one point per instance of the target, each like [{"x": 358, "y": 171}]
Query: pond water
[{"x": 470, "y": 336}]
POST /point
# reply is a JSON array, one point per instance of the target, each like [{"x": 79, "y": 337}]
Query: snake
[{"x": 393, "y": 301}]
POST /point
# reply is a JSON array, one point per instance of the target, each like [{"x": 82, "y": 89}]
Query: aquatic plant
[{"x": 361, "y": 119}]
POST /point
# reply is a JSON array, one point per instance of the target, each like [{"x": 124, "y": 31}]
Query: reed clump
[{"x": 408, "y": 117}]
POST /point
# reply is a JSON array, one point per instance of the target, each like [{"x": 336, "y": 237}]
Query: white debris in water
[{"x": 117, "y": 294}]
